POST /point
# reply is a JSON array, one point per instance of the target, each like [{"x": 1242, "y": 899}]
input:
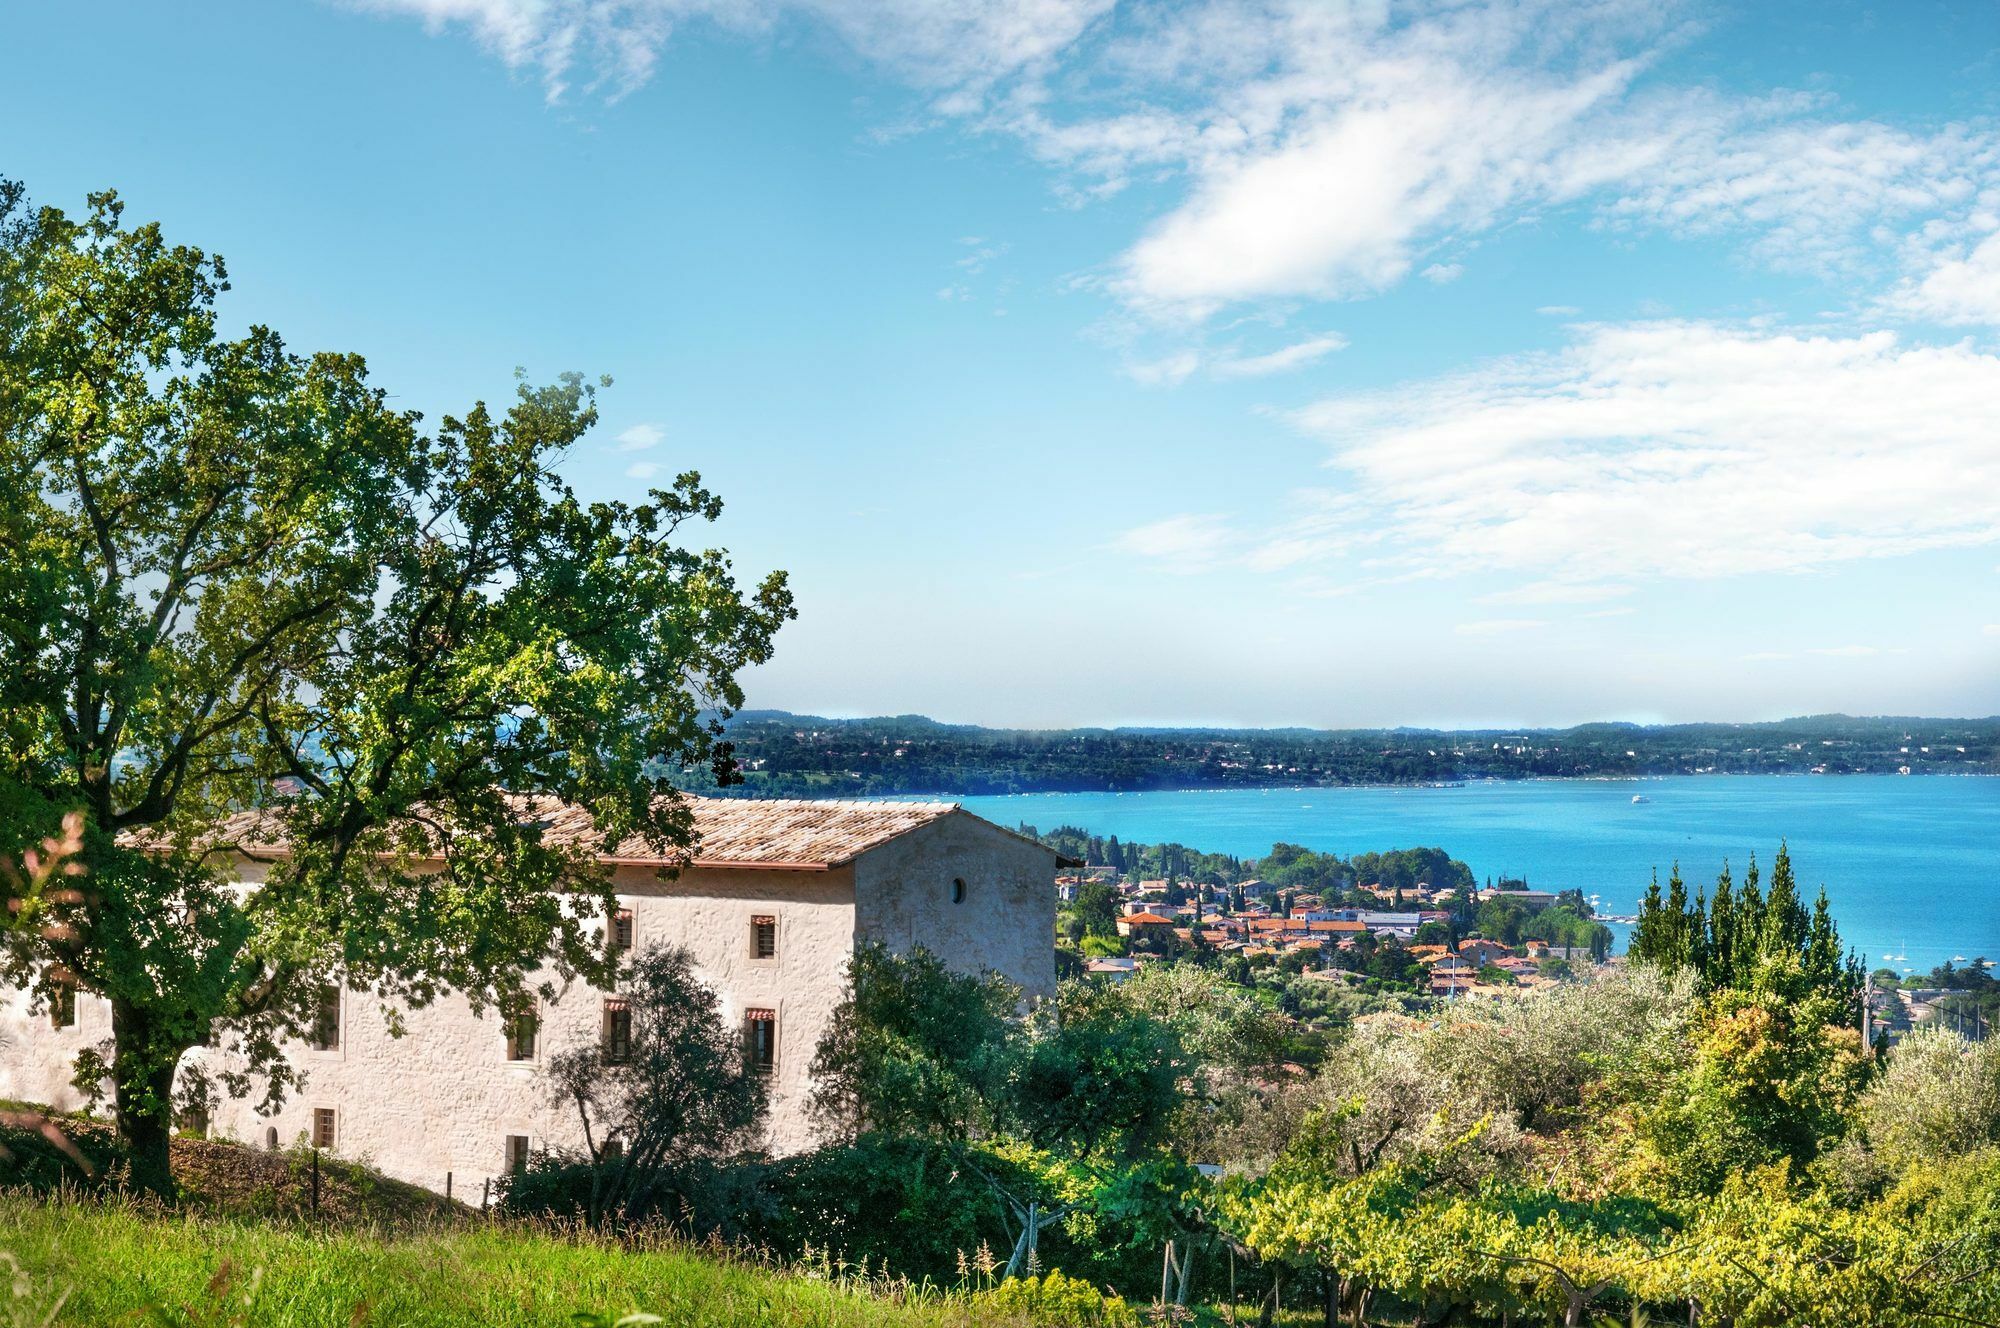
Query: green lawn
[{"x": 108, "y": 1262}]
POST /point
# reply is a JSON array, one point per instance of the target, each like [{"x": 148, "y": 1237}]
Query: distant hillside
[{"x": 786, "y": 755}]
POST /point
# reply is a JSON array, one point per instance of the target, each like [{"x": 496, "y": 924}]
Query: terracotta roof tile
[{"x": 729, "y": 832}]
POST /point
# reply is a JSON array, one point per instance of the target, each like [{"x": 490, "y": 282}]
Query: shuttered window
[
  {"x": 617, "y": 1036},
  {"x": 760, "y": 1040}
]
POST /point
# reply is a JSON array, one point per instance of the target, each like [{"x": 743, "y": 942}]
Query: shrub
[{"x": 1067, "y": 1302}]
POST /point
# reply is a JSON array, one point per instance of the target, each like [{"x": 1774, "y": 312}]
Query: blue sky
[{"x": 1222, "y": 361}]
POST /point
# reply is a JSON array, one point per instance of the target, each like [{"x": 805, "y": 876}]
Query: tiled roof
[
  {"x": 1147, "y": 919},
  {"x": 729, "y": 832}
]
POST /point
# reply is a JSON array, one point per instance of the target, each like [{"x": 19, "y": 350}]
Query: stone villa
[{"x": 773, "y": 901}]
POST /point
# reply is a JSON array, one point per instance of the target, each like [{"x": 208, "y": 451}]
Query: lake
[{"x": 1911, "y": 865}]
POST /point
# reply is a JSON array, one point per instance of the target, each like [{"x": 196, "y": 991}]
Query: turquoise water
[{"x": 1910, "y": 865}]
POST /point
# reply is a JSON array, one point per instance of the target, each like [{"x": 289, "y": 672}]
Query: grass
[
  {"x": 45, "y": 1151},
  {"x": 112, "y": 1261}
]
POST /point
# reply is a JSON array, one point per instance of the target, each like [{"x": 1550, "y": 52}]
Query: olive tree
[
  {"x": 666, "y": 1088},
  {"x": 241, "y": 592}
]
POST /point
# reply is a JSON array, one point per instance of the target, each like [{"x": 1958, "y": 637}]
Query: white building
[{"x": 776, "y": 897}]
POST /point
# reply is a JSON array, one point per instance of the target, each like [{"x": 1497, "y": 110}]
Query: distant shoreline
[{"x": 740, "y": 791}]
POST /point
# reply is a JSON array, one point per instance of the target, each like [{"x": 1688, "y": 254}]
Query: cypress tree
[
  {"x": 1749, "y": 925},
  {"x": 1722, "y": 931},
  {"x": 1675, "y": 940},
  {"x": 1785, "y": 922},
  {"x": 1647, "y": 945}
]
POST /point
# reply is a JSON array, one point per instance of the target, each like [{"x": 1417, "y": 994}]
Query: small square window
[
  {"x": 523, "y": 1029},
  {"x": 326, "y": 1020},
  {"x": 517, "y": 1154},
  {"x": 764, "y": 937},
  {"x": 322, "y": 1127},
  {"x": 760, "y": 1040},
  {"x": 621, "y": 931},
  {"x": 617, "y": 1033},
  {"x": 62, "y": 1006}
]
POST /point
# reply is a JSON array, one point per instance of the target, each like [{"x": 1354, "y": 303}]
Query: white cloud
[
  {"x": 1559, "y": 310},
  {"x": 1766, "y": 656},
  {"x": 1172, "y": 370},
  {"x": 1278, "y": 361},
  {"x": 1991, "y": 629},
  {"x": 1854, "y": 652},
  {"x": 1443, "y": 274},
  {"x": 641, "y": 437},
  {"x": 1184, "y": 543},
  {"x": 642, "y": 470},
  {"x": 1320, "y": 149},
  {"x": 954, "y": 49},
  {"x": 1681, "y": 450},
  {"x": 1167, "y": 371},
  {"x": 1957, "y": 287}
]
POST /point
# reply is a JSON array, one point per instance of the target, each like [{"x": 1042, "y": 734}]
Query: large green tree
[{"x": 236, "y": 583}]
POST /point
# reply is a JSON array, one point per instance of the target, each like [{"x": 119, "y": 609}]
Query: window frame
[
  {"x": 616, "y": 1019},
  {"x": 330, "y": 1001},
  {"x": 326, "y": 1123},
  {"x": 529, "y": 1015},
  {"x": 755, "y": 1017},
  {"x": 763, "y": 925}
]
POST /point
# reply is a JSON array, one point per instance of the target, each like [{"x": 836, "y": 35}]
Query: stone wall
[{"x": 907, "y": 893}]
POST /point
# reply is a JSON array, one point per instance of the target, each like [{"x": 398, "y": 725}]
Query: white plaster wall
[
  {"x": 36, "y": 1060},
  {"x": 443, "y": 1097},
  {"x": 903, "y": 898}
]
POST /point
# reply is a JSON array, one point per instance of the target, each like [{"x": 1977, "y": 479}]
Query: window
[
  {"x": 958, "y": 890},
  {"x": 322, "y": 1127},
  {"x": 271, "y": 1137},
  {"x": 62, "y": 1006},
  {"x": 326, "y": 1020},
  {"x": 621, "y": 930},
  {"x": 617, "y": 1040},
  {"x": 614, "y": 1148},
  {"x": 523, "y": 1027},
  {"x": 760, "y": 1038},
  {"x": 763, "y": 937},
  {"x": 194, "y": 1121},
  {"x": 517, "y": 1154}
]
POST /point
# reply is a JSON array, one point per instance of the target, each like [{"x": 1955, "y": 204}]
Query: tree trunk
[{"x": 142, "y": 1074}]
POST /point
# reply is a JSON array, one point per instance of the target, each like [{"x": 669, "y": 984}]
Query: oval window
[{"x": 958, "y": 890}]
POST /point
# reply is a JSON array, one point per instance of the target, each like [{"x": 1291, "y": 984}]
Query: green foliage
[
  {"x": 1066, "y": 1302},
  {"x": 1728, "y": 941},
  {"x": 1773, "y": 1077},
  {"x": 914, "y": 1047},
  {"x": 812, "y": 756},
  {"x": 657, "y": 1113},
  {"x": 234, "y": 577}
]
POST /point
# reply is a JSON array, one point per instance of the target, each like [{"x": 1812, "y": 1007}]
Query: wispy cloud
[
  {"x": 1185, "y": 543},
  {"x": 1855, "y": 651},
  {"x": 1682, "y": 450},
  {"x": 641, "y": 437},
  {"x": 642, "y": 470},
  {"x": 1559, "y": 310},
  {"x": 1329, "y": 150},
  {"x": 1181, "y": 365},
  {"x": 1441, "y": 274}
]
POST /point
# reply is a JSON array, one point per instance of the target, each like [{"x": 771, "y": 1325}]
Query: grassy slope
[{"x": 115, "y": 1261}]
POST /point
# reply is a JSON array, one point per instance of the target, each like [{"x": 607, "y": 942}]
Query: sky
[{"x": 1457, "y": 362}]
